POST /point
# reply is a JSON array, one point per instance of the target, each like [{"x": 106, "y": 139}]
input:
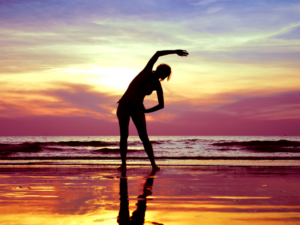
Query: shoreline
[
  {"x": 158, "y": 158},
  {"x": 60, "y": 168},
  {"x": 145, "y": 162}
]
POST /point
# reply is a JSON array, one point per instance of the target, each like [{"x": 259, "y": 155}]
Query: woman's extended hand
[{"x": 181, "y": 52}]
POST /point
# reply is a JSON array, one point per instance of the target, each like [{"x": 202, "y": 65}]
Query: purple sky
[{"x": 65, "y": 64}]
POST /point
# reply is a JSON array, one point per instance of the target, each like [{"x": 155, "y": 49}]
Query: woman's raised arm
[{"x": 155, "y": 57}]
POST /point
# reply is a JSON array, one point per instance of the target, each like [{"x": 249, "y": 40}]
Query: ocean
[{"x": 168, "y": 150}]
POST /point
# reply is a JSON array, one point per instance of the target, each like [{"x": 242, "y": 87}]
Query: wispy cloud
[
  {"x": 66, "y": 100},
  {"x": 272, "y": 107},
  {"x": 237, "y": 48},
  {"x": 203, "y": 2}
]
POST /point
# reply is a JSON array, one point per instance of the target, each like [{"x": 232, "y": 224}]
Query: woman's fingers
[
  {"x": 182, "y": 53},
  {"x": 185, "y": 53}
]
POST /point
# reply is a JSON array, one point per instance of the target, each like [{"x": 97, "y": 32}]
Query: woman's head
[{"x": 163, "y": 71}]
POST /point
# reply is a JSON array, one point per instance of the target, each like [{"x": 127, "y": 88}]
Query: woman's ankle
[
  {"x": 155, "y": 167},
  {"x": 122, "y": 167}
]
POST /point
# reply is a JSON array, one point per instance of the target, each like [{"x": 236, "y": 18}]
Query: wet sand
[{"x": 57, "y": 194}]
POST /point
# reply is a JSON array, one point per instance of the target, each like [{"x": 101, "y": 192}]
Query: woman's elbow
[
  {"x": 158, "y": 53},
  {"x": 161, "y": 106}
]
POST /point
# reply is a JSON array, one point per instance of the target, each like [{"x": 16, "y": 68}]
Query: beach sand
[{"x": 52, "y": 194}]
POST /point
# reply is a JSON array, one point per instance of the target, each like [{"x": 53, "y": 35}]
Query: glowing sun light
[{"x": 114, "y": 77}]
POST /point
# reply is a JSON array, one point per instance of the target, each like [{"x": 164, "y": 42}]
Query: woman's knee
[
  {"x": 144, "y": 138},
  {"x": 124, "y": 136}
]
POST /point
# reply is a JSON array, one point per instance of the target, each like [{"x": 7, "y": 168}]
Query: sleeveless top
[{"x": 143, "y": 84}]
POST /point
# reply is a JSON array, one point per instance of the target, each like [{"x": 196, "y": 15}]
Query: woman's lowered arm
[
  {"x": 160, "y": 97},
  {"x": 155, "y": 57}
]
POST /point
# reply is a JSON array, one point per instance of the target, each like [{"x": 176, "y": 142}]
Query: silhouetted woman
[{"x": 131, "y": 103}]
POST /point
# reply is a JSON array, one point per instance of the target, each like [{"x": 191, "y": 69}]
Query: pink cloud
[
  {"x": 66, "y": 100},
  {"x": 56, "y": 125},
  {"x": 261, "y": 115},
  {"x": 204, "y": 124},
  {"x": 212, "y": 123},
  {"x": 245, "y": 116},
  {"x": 274, "y": 106}
]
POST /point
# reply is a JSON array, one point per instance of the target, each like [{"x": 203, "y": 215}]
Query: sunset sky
[{"x": 65, "y": 63}]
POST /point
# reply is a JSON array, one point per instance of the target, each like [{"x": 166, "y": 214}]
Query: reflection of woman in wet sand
[
  {"x": 131, "y": 103},
  {"x": 138, "y": 216}
]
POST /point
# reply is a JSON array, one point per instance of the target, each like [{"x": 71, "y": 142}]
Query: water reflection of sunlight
[
  {"x": 215, "y": 205},
  {"x": 91, "y": 196},
  {"x": 26, "y": 195},
  {"x": 238, "y": 197}
]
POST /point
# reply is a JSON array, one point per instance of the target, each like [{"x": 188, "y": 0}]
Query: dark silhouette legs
[
  {"x": 139, "y": 121},
  {"x": 124, "y": 119},
  {"x": 138, "y": 216},
  {"x": 138, "y": 117},
  {"x": 124, "y": 217}
]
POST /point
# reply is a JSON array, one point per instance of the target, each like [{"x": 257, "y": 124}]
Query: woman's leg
[
  {"x": 139, "y": 120},
  {"x": 124, "y": 119}
]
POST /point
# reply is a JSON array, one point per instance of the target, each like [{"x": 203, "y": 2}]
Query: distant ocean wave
[{"x": 167, "y": 149}]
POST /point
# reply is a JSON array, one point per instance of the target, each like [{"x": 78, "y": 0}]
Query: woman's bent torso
[{"x": 143, "y": 84}]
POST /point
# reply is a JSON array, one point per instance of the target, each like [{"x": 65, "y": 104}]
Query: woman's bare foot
[{"x": 155, "y": 168}]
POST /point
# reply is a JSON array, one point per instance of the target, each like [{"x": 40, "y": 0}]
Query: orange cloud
[{"x": 67, "y": 100}]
